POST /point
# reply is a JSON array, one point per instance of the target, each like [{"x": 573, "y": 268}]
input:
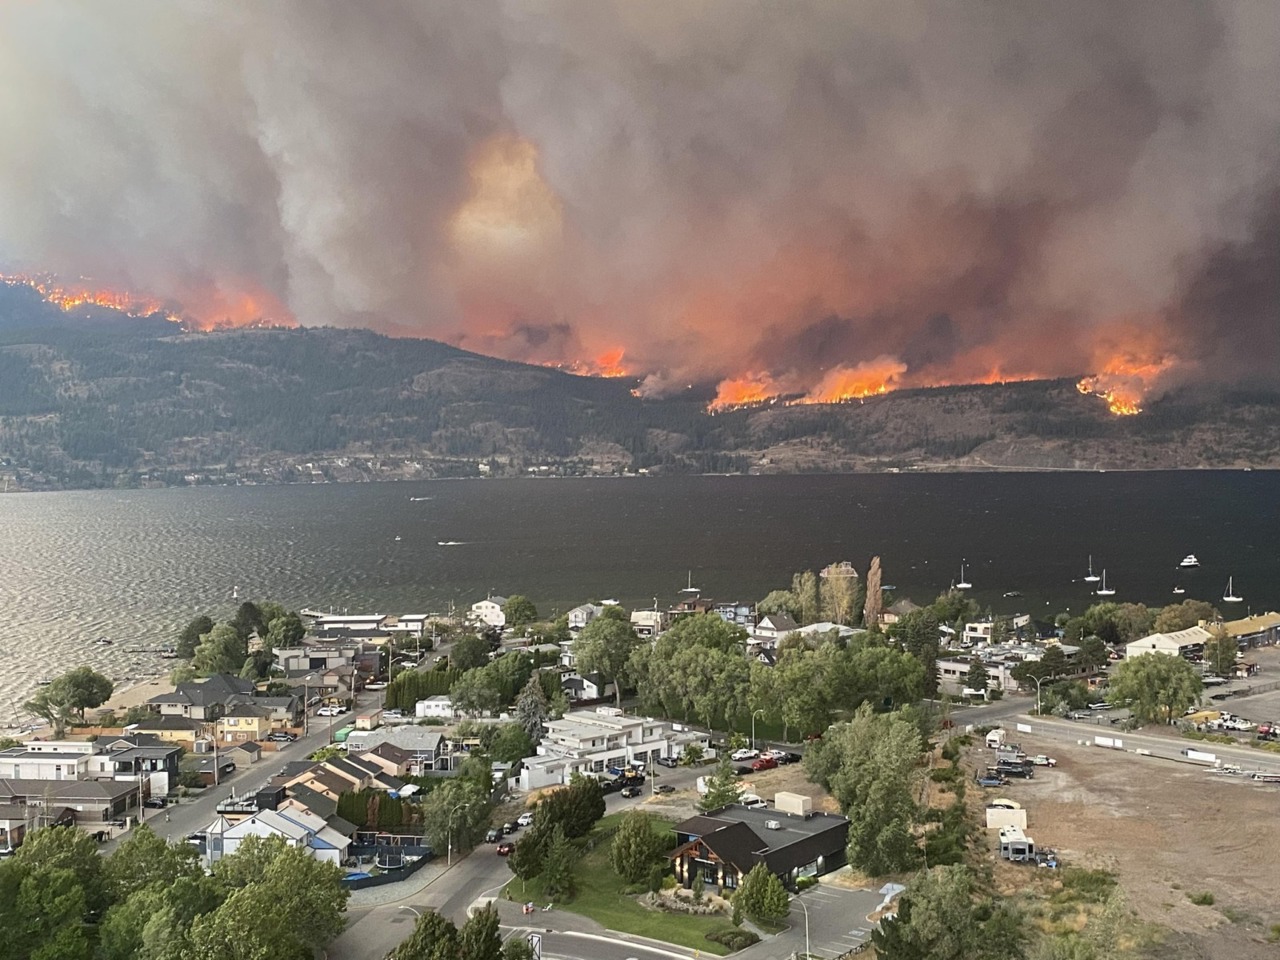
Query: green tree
[
  {"x": 605, "y": 646},
  {"x": 66, "y": 848},
  {"x": 935, "y": 919},
  {"x": 54, "y": 707},
  {"x": 474, "y": 694},
  {"x": 519, "y": 611},
  {"x": 1220, "y": 652},
  {"x": 1093, "y": 653},
  {"x": 248, "y": 621},
  {"x": 875, "y": 597},
  {"x": 977, "y": 678},
  {"x": 723, "y": 788},
  {"x": 221, "y": 650},
  {"x": 575, "y": 808},
  {"x": 532, "y": 709},
  {"x": 42, "y": 912},
  {"x": 456, "y": 814},
  {"x": 469, "y": 652},
  {"x": 784, "y": 602},
  {"x": 557, "y": 864},
  {"x": 144, "y": 858},
  {"x": 479, "y": 938},
  {"x": 526, "y": 860},
  {"x": 871, "y": 766},
  {"x": 510, "y": 743},
  {"x": 1157, "y": 687},
  {"x": 1181, "y": 616},
  {"x": 190, "y": 636},
  {"x": 808, "y": 596},
  {"x": 284, "y": 631},
  {"x": 635, "y": 847},
  {"x": 152, "y": 924},
  {"x": 761, "y": 895},
  {"x": 433, "y": 938},
  {"x": 517, "y": 948}
]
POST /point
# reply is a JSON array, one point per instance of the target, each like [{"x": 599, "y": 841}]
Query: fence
[{"x": 389, "y": 876}]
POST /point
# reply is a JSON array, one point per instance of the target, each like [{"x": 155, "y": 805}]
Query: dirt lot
[{"x": 1168, "y": 831}]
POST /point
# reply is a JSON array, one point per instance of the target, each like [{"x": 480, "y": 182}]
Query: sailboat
[
  {"x": 1104, "y": 590},
  {"x": 1178, "y": 589},
  {"x": 963, "y": 584},
  {"x": 1230, "y": 595},
  {"x": 691, "y": 588},
  {"x": 1091, "y": 577}
]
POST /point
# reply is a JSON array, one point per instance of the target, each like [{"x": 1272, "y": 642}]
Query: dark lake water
[{"x": 135, "y": 565}]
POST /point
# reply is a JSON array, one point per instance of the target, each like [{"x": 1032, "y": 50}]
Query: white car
[
  {"x": 525, "y": 819},
  {"x": 329, "y": 712},
  {"x": 1040, "y": 760},
  {"x": 744, "y": 754},
  {"x": 753, "y": 801}
]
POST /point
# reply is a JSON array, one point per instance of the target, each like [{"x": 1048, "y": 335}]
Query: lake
[{"x": 133, "y": 566}]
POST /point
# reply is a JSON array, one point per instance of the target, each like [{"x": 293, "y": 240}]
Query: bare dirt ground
[{"x": 1169, "y": 832}]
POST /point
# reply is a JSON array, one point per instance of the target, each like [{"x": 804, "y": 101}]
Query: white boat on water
[
  {"x": 1104, "y": 590},
  {"x": 1230, "y": 595},
  {"x": 448, "y": 543},
  {"x": 690, "y": 588},
  {"x": 1091, "y": 577},
  {"x": 1178, "y": 590},
  {"x": 1189, "y": 561},
  {"x": 962, "y": 583}
]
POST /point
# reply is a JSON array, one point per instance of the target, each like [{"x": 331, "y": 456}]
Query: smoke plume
[{"x": 802, "y": 196}]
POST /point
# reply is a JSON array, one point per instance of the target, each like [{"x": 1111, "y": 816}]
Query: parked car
[
  {"x": 631, "y": 791},
  {"x": 743, "y": 771},
  {"x": 525, "y": 819},
  {"x": 1040, "y": 760},
  {"x": 493, "y": 836},
  {"x": 506, "y": 848},
  {"x": 664, "y": 788},
  {"x": 753, "y": 802},
  {"x": 1016, "y": 770},
  {"x": 744, "y": 754},
  {"x": 1004, "y": 803},
  {"x": 764, "y": 763},
  {"x": 990, "y": 780},
  {"x": 669, "y": 761},
  {"x": 155, "y": 803},
  {"x": 329, "y": 712},
  {"x": 509, "y": 828},
  {"x": 610, "y": 786},
  {"x": 280, "y": 736}
]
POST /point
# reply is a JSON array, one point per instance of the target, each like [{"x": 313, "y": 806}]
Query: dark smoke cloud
[{"x": 719, "y": 187}]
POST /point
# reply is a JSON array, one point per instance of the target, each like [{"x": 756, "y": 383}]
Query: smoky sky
[{"x": 719, "y": 188}]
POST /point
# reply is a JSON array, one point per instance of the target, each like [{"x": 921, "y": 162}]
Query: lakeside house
[{"x": 489, "y": 611}]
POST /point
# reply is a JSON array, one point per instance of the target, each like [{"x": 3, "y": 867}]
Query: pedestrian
[{"x": 166, "y": 816}]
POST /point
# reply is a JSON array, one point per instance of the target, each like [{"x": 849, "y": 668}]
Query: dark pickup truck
[{"x": 1026, "y": 771}]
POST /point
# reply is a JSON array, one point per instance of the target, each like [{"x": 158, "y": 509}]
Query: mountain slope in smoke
[
  {"x": 134, "y": 401},
  {"x": 786, "y": 196}
]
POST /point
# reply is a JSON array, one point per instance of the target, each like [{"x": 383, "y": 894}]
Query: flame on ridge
[
  {"x": 1125, "y": 380},
  {"x": 838, "y": 385},
  {"x": 70, "y": 296},
  {"x": 608, "y": 364}
]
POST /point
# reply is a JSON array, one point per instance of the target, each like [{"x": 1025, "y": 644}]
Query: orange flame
[
  {"x": 867, "y": 379},
  {"x": 745, "y": 391},
  {"x": 1124, "y": 380},
  {"x": 215, "y": 308},
  {"x": 608, "y": 364}
]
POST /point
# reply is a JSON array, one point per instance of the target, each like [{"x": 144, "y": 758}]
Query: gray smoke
[{"x": 721, "y": 187}]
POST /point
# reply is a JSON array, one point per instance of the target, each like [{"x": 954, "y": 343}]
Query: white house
[
  {"x": 489, "y": 610},
  {"x": 648, "y": 623},
  {"x": 298, "y": 828},
  {"x": 439, "y": 707},
  {"x": 583, "y": 614},
  {"x": 775, "y": 626},
  {"x": 589, "y": 742},
  {"x": 47, "y": 760},
  {"x": 1180, "y": 643}
]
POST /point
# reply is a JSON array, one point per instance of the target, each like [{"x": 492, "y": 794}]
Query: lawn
[{"x": 600, "y": 897}]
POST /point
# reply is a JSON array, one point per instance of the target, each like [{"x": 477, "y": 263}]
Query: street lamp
[
  {"x": 448, "y": 833},
  {"x": 806, "y": 924},
  {"x": 753, "y": 727},
  {"x": 1039, "y": 680}
]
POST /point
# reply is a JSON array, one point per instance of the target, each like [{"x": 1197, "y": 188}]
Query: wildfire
[
  {"x": 747, "y": 391},
  {"x": 608, "y": 365},
  {"x": 215, "y": 309},
  {"x": 70, "y": 296},
  {"x": 1124, "y": 380},
  {"x": 867, "y": 379}
]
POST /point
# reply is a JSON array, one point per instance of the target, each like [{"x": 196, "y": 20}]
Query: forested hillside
[{"x": 112, "y": 400}]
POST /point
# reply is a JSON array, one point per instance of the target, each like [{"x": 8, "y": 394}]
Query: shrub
[
  {"x": 734, "y": 939},
  {"x": 804, "y": 883},
  {"x": 1090, "y": 885},
  {"x": 951, "y": 750},
  {"x": 1204, "y": 899}
]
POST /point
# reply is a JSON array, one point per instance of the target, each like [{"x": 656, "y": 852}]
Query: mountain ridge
[{"x": 109, "y": 400}]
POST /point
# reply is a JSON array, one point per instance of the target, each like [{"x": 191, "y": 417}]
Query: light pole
[
  {"x": 806, "y": 924},
  {"x": 753, "y": 727},
  {"x": 448, "y": 833},
  {"x": 1039, "y": 680}
]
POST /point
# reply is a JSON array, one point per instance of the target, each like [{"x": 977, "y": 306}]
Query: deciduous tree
[
  {"x": 190, "y": 636},
  {"x": 1220, "y": 652},
  {"x": 66, "y": 848},
  {"x": 532, "y": 709},
  {"x": 433, "y": 938},
  {"x": 1180, "y": 616},
  {"x": 934, "y": 921},
  {"x": 144, "y": 858},
  {"x": 557, "y": 864},
  {"x": 519, "y": 611},
  {"x": 479, "y": 938},
  {"x": 222, "y": 650},
  {"x": 875, "y": 597},
  {"x": 605, "y": 646},
  {"x": 469, "y": 652},
  {"x": 1155, "y": 686},
  {"x": 635, "y": 847}
]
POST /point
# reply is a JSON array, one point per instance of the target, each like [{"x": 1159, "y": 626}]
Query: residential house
[
  {"x": 212, "y": 769},
  {"x": 391, "y": 759},
  {"x": 583, "y": 614},
  {"x": 47, "y": 760},
  {"x": 896, "y": 611},
  {"x": 428, "y": 748},
  {"x": 243, "y": 721},
  {"x": 286, "y": 711},
  {"x": 138, "y": 757},
  {"x": 591, "y": 686},
  {"x": 296, "y": 827},
  {"x": 774, "y": 627},
  {"x": 312, "y": 654},
  {"x": 1260, "y": 630},
  {"x": 243, "y": 754},
  {"x": 359, "y": 622},
  {"x": 589, "y": 742},
  {"x": 648, "y": 623},
  {"x": 722, "y": 846},
  {"x": 439, "y": 707},
  {"x": 205, "y": 699},
  {"x": 17, "y": 820},
  {"x": 739, "y": 614},
  {"x": 489, "y": 610},
  {"x": 182, "y": 731},
  {"x": 93, "y": 801},
  {"x": 1187, "y": 643}
]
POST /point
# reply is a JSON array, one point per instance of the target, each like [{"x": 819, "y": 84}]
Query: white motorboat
[
  {"x": 1230, "y": 595},
  {"x": 1189, "y": 561},
  {"x": 963, "y": 584},
  {"x": 1104, "y": 590},
  {"x": 1091, "y": 577},
  {"x": 1178, "y": 590}
]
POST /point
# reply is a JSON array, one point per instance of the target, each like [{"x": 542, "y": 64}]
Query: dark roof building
[{"x": 723, "y": 845}]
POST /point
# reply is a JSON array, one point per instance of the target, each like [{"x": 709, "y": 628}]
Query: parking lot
[{"x": 837, "y": 919}]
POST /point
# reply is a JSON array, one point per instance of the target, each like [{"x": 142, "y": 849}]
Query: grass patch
[
  {"x": 1089, "y": 886},
  {"x": 1274, "y": 935},
  {"x": 1204, "y": 899},
  {"x": 600, "y": 897}
]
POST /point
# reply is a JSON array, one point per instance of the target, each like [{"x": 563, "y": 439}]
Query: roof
[
  {"x": 903, "y": 607},
  {"x": 1190, "y": 637},
  {"x": 500, "y": 601},
  {"x": 67, "y": 791},
  {"x": 168, "y": 722},
  {"x": 318, "y": 803},
  {"x": 215, "y": 689},
  {"x": 393, "y": 752},
  {"x": 16, "y": 811},
  {"x": 344, "y": 827},
  {"x": 1258, "y": 623},
  {"x": 247, "y": 746},
  {"x": 741, "y": 836},
  {"x": 245, "y": 709},
  {"x": 777, "y": 621}
]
